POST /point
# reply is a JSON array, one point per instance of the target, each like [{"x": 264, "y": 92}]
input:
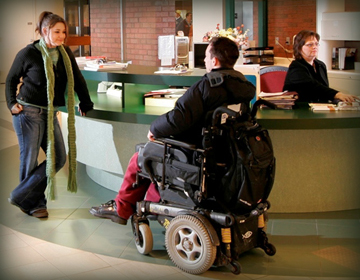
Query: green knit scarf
[{"x": 50, "y": 150}]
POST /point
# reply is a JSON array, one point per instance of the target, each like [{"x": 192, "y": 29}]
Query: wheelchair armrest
[
  {"x": 177, "y": 143},
  {"x": 260, "y": 102}
]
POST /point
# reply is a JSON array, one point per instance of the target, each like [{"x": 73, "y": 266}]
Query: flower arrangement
[{"x": 236, "y": 34}]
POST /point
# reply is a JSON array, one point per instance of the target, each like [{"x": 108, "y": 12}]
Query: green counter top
[{"x": 304, "y": 118}]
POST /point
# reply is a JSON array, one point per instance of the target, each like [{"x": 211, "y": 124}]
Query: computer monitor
[
  {"x": 199, "y": 54},
  {"x": 182, "y": 50}
]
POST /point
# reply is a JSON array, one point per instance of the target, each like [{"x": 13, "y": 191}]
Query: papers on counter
[
  {"x": 111, "y": 65},
  {"x": 322, "y": 107},
  {"x": 283, "y": 100},
  {"x": 82, "y": 60},
  {"x": 167, "y": 93},
  {"x": 163, "y": 97},
  {"x": 173, "y": 72},
  {"x": 341, "y": 106}
]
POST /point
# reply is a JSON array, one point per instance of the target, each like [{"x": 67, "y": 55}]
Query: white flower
[{"x": 237, "y": 34}]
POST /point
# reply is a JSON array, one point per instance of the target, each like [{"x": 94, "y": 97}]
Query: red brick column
[{"x": 143, "y": 22}]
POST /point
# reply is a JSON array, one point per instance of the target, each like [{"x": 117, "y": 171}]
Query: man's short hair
[{"x": 225, "y": 50}]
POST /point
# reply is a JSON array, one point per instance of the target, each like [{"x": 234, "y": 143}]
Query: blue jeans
[{"x": 31, "y": 129}]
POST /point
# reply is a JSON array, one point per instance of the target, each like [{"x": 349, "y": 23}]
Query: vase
[{"x": 240, "y": 60}]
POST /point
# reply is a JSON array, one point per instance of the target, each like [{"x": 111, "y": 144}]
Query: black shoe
[{"x": 108, "y": 211}]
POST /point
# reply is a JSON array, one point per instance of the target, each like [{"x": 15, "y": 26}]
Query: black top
[
  {"x": 186, "y": 120},
  {"x": 311, "y": 85},
  {"x": 29, "y": 66}
]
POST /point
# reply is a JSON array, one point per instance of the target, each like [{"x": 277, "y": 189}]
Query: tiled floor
[{"x": 72, "y": 244}]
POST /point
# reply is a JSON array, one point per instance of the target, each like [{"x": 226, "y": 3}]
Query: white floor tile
[
  {"x": 37, "y": 271},
  {"x": 52, "y": 251},
  {"x": 78, "y": 263},
  {"x": 11, "y": 242},
  {"x": 18, "y": 257}
]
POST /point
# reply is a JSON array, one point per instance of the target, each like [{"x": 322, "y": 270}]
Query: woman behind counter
[
  {"x": 307, "y": 75},
  {"x": 46, "y": 68}
]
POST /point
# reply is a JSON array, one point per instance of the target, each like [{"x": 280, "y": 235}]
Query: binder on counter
[
  {"x": 163, "y": 97},
  {"x": 343, "y": 58}
]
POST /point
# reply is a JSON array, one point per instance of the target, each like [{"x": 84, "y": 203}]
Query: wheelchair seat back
[{"x": 178, "y": 170}]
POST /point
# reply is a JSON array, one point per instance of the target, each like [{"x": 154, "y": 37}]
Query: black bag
[{"x": 250, "y": 177}]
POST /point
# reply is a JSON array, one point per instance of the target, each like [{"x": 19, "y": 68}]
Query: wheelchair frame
[{"x": 197, "y": 238}]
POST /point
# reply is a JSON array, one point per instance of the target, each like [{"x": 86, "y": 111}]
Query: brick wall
[
  {"x": 286, "y": 18},
  {"x": 143, "y": 22},
  {"x": 105, "y": 28}
]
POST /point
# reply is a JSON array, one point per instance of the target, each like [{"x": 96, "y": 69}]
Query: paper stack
[
  {"x": 283, "y": 100},
  {"x": 163, "y": 97},
  {"x": 322, "y": 107},
  {"x": 340, "y": 106},
  {"x": 109, "y": 65},
  {"x": 83, "y": 60},
  {"x": 172, "y": 71}
]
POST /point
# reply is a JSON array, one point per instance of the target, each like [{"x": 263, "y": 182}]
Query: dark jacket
[
  {"x": 186, "y": 120},
  {"x": 310, "y": 85},
  {"x": 29, "y": 66},
  {"x": 179, "y": 25},
  {"x": 187, "y": 28}
]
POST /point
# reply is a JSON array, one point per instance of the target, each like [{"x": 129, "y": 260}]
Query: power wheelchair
[{"x": 201, "y": 230}]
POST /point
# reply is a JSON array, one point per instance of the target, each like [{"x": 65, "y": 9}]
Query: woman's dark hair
[
  {"x": 225, "y": 50},
  {"x": 300, "y": 40},
  {"x": 49, "y": 19}
]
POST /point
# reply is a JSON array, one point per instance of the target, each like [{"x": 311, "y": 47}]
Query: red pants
[{"x": 128, "y": 195}]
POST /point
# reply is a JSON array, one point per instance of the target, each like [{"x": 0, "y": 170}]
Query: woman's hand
[
  {"x": 81, "y": 112},
  {"x": 345, "y": 97},
  {"x": 150, "y": 136},
  {"x": 16, "y": 109}
]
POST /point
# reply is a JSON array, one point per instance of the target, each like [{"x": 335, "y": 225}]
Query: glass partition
[
  {"x": 251, "y": 13},
  {"x": 77, "y": 16},
  {"x": 183, "y": 19}
]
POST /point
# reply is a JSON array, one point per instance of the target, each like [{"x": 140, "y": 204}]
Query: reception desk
[{"x": 318, "y": 153}]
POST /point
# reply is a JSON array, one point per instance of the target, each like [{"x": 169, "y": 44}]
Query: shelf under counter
[{"x": 109, "y": 108}]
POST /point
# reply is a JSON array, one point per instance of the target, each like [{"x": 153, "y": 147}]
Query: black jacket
[
  {"x": 29, "y": 65},
  {"x": 310, "y": 85},
  {"x": 186, "y": 120}
]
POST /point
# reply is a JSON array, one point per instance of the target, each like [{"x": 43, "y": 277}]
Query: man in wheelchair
[{"x": 221, "y": 85}]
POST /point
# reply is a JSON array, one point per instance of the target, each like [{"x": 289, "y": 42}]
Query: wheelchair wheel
[
  {"x": 270, "y": 249},
  {"x": 189, "y": 245},
  {"x": 145, "y": 243}
]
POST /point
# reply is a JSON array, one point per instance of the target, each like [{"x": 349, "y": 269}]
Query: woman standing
[
  {"x": 35, "y": 87},
  {"x": 307, "y": 75}
]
